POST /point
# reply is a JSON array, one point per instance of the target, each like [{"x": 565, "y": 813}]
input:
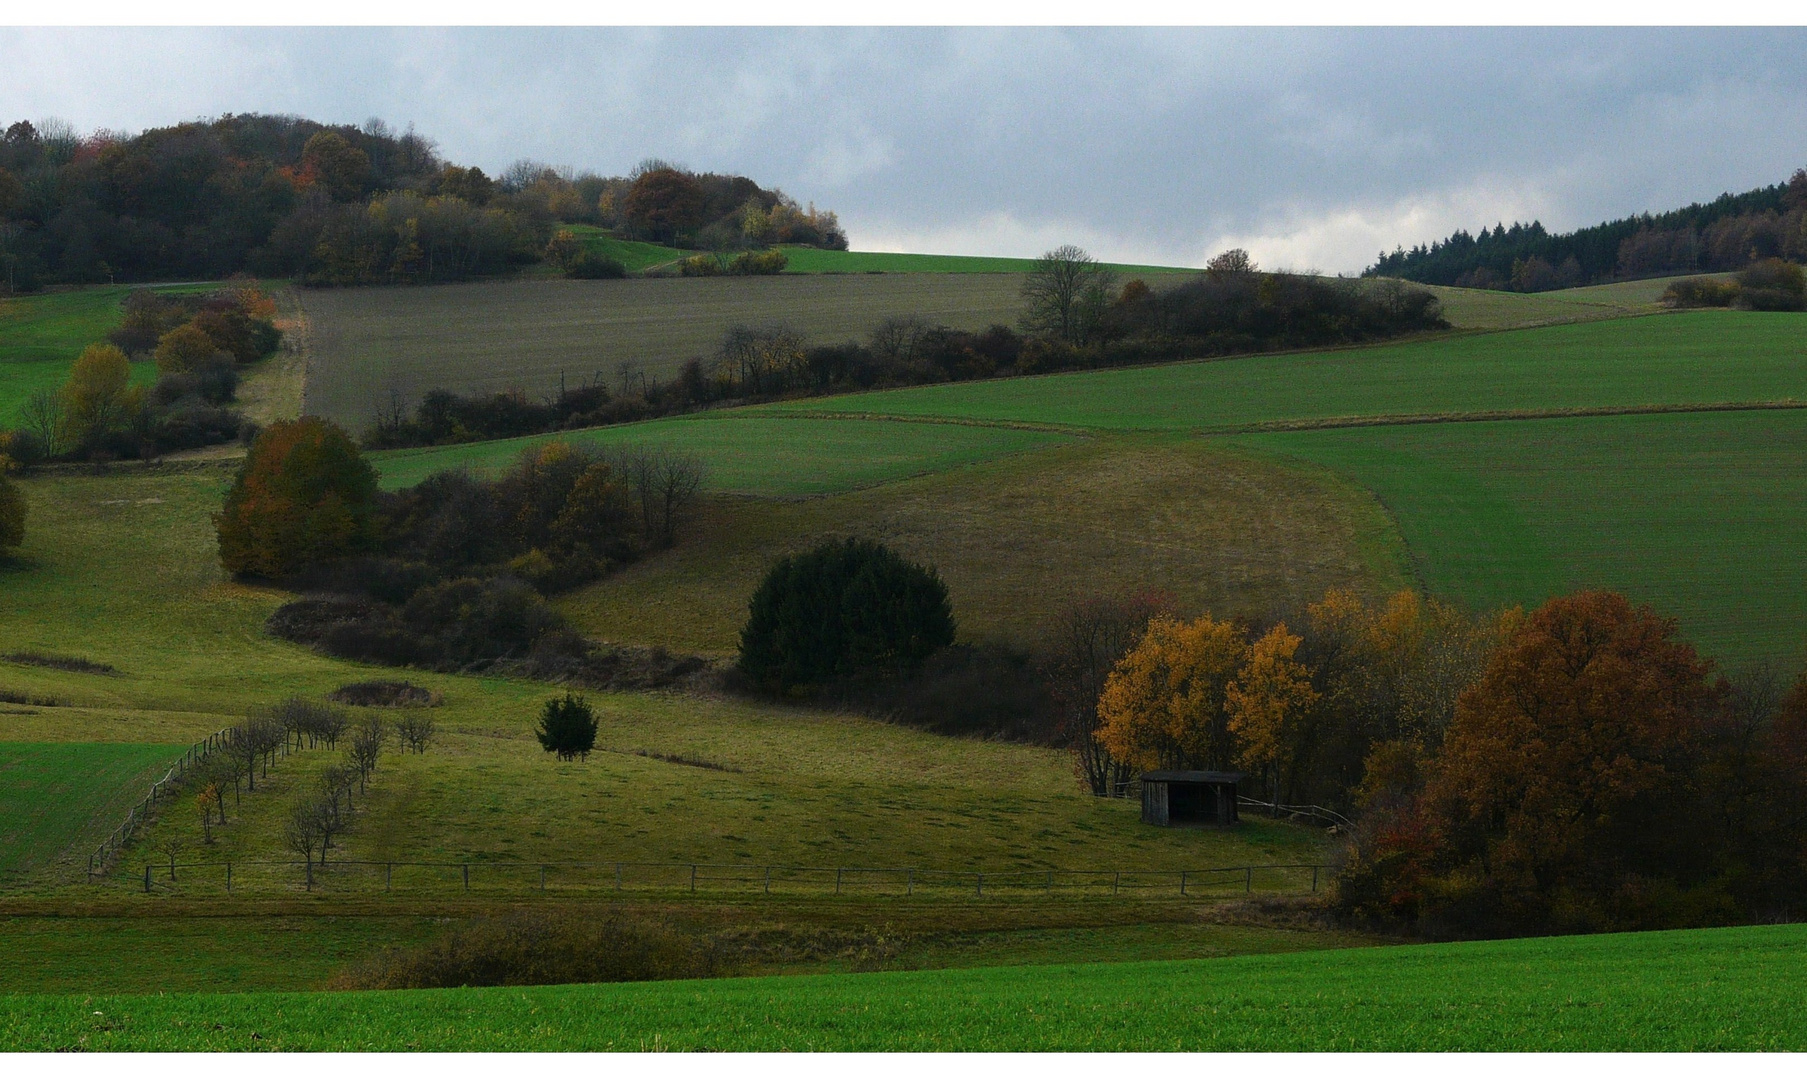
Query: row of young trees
[
  {"x": 334, "y": 205},
  {"x": 1728, "y": 233}
]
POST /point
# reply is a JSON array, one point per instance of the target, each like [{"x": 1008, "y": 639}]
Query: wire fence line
[
  {"x": 139, "y": 814},
  {"x": 592, "y": 878}
]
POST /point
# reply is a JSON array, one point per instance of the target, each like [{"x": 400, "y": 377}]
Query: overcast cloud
[{"x": 1314, "y": 149}]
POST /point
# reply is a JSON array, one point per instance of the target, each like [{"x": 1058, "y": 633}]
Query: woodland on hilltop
[
  {"x": 339, "y": 204},
  {"x": 1729, "y": 233}
]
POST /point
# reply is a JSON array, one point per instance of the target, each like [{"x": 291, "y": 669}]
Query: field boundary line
[
  {"x": 1496, "y": 416},
  {"x": 619, "y": 876}
]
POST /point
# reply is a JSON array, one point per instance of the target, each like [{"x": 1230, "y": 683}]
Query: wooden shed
[{"x": 1177, "y": 797}]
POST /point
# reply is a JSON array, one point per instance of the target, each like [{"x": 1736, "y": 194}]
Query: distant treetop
[{"x": 335, "y": 204}]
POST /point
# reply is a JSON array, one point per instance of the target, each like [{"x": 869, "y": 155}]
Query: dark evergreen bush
[
  {"x": 849, "y": 609},
  {"x": 567, "y": 727}
]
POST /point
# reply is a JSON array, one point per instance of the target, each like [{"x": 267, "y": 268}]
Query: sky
[{"x": 1313, "y": 149}]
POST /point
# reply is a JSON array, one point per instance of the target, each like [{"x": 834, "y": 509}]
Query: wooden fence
[
  {"x": 350, "y": 876},
  {"x": 138, "y": 815}
]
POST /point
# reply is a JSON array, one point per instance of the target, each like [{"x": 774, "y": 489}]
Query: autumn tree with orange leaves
[
  {"x": 304, "y": 496},
  {"x": 1580, "y": 786},
  {"x": 1163, "y": 705}
]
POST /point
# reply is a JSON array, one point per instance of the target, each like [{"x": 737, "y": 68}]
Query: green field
[
  {"x": 1699, "y": 514},
  {"x": 40, "y": 336},
  {"x": 1693, "y": 358},
  {"x": 302, "y": 947},
  {"x": 635, "y": 255},
  {"x": 530, "y": 334},
  {"x": 1706, "y": 990},
  {"x": 755, "y": 455},
  {"x": 57, "y": 796}
]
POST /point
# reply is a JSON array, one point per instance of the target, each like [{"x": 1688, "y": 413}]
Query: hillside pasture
[
  {"x": 57, "y": 797},
  {"x": 1019, "y": 538},
  {"x": 132, "y": 580},
  {"x": 1700, "y": 357},
  {"x": 754, "y": 455},
  {"x": 1488, "y": 309},
  {"x": 1737, "y": 989},
  {"x": 528, "y": 334},
  {"x": 1701, "y": 515}
]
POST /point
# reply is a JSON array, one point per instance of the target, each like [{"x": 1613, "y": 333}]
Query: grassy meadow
[
  {"x": 131, "y": 580},
  {"x": 1702, "y": 357},
  {"x": 1216, "y": 527},
  {"x": 754, "y": 455},
  {"x": 1700, "y": 990}
]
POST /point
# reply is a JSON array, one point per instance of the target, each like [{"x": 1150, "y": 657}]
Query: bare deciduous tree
[
  {"x": 1085, "y": 642},
  {"x": 303, "y": 833},
  {"x": 366, "y": 746},
  {"x": 1065, "y": 294},
  {"x": 44, "y": 417},
  {"x": 415, "y": 729}
]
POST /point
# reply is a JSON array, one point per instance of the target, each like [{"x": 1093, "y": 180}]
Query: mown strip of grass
[{"x": 1736, "y": 989}]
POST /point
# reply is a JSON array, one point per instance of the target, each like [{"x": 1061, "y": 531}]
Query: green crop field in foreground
[
  {"x": 528, "y": 334},
  {"x": 755, "y": 455},
  {"x": 1737, "y": 989},
  {"x": 54, "y": 796},
  {"x": 1702, "y": 515},
  {"x": 1693, "y": 357}
]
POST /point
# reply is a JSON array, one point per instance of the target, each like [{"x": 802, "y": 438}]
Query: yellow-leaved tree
[
  {"x": 1266, "y": 702},
  {"x": 97, "y": 399},
  {"x": 1163, "y": 704}
]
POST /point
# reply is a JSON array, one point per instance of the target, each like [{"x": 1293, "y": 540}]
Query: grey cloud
[{"x": 1317, "y": 147}]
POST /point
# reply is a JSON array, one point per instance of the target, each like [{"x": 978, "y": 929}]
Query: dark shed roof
[{"x": 1185, "y": 776}]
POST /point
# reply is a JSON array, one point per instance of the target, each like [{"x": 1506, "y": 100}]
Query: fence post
[
  {"x": 837, "y": 881},
  {"x": 1314, "y": 879},
  {"x": 1116, "y": 880},
  {"x": 542, "y": 879},
  {"x": 617, "y": 877},
  {"x": 467, "y": 877},
  {"x": 1050, "y": 881},
  {"x": 1248, "y": 881},
  {"x": 768, "y": 881},
  {"x": 981, "y": 888},
  {"x": 147, "y": 877},
  {"x": 1182, "y": 882},
  {"x": 692, "y": 877},
  {"x": 910, "y": 883},
  {"x": 228, "y": 876}
]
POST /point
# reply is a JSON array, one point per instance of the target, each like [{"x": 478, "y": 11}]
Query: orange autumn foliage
[{"x": 304, "y": 496}]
